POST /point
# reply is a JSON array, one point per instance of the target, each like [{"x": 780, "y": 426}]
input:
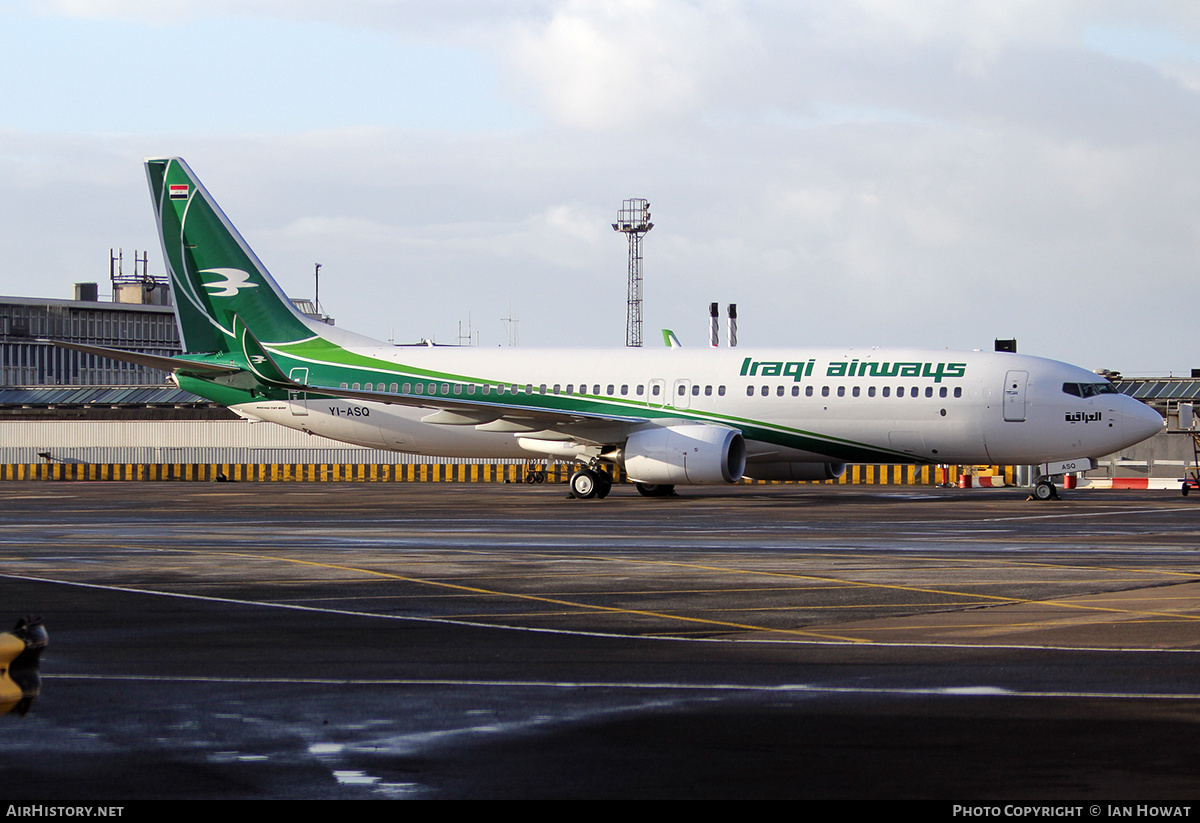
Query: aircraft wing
[
  {"x": 446, "y": 411},
  {"x": 490, "y": 416},
  {"x": 449, "y": 411}
]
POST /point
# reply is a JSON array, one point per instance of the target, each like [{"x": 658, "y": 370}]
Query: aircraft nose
[{"x": 1143, "y": 421}]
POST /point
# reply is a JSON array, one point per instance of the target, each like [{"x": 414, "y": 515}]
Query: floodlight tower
[{"x": 634, "y": 220}]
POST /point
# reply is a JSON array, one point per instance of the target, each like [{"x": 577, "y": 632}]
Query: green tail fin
[{"x": 214, "y": 274}]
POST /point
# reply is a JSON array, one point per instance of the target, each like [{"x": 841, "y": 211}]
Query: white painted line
[
  {"x": 776, "y": 688},
  {"x": 857, "y": 644}
]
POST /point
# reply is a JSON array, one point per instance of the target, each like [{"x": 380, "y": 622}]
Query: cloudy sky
[{"x": 931, "y": 173}]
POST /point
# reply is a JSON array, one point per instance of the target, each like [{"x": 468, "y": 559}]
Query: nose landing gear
[{"x": 1044, "y": 489}]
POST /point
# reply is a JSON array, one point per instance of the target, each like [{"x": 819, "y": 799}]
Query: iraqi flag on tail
[{"x": 177, "y": 191}]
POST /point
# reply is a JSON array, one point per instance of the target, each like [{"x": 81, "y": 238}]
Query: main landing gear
[
  {"x": 590, "y": 482},
  {"x": 593, "y": 481},
  {"x": 655, "y": 489}
]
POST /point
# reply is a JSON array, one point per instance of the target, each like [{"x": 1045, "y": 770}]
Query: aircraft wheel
[
  {"x": 583, "y": 484},
  {"x": 530, "y": 478},
  {"x": 603, "y": 484},
  {"x": 541, "y": 477},
  {"x": 1044, "y": 490},
  {"x": 655, "y": 489},
  {"x": 1185, "y": 489}
]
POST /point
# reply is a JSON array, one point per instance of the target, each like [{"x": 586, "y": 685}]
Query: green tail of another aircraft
[{"x": 215, "y": 277}]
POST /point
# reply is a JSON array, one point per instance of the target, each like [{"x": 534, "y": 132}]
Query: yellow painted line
[
  {"x": 781, "y": 609},
  {"x": 972, "y": 597},
  {"x": 1001, "y": 599},
  {"x": 678, "y": 638},
  {"x": 519, "y": 596}
]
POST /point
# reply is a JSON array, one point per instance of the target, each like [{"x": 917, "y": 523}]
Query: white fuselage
[{"x": 849, "y": 405}]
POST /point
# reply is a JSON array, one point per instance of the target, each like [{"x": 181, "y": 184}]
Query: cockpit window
[{"x": 1089, "y": 389}]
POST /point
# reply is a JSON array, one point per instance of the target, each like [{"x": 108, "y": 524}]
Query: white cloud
[{"x": 622, "y": 64}]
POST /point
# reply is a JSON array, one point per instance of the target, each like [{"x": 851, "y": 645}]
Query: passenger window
[
  {"x": 958, "y": 391},
  {"x": 779, "y": 391},
  {"x": 765, "y": 391},
  {"x": 640, "y": 389},
  {"x": 899, "y": 391},
  {"x": 542, "y": 389},
  {"x": 596, "y": 389},
  {"x": 708, "y": 391},
  {"x": 624, "y": 389},
  {"x": 393, "y": 388},
  {"x": 696, "y": 390},
  {"x": 854, "y": 391},
  {"x": 887, "y": 390},
  {"x": 808, "y": 391},
  {"x": 654, "y": 389},
  {"x": 841, "y": 391},
  {"x": 445, "y": 388},
  {"x": 749, "y": 391},
  {"x": 721, "y": 391},
  {"x": 344, "y": 386},
  {"x": 795, "y": 391},
  {"x": 870, "y": 391},
  {"x": 929, "y": 391},
  {"x": 824, "y": 391},
  {"x": 570, "y": 388},
  {"x": 557, "y": 387},
  {"x": 942, "y": 391},
  {"x": 458, "y": 388},
  {"x": 610, "y": 389},
  {"x": 406, "y": 388}
]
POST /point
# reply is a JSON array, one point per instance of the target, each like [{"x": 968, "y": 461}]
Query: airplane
[{"x": 669, "y": 417}]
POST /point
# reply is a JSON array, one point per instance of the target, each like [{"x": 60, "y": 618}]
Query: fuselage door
[
  {"x": 681, "y": 394},
  {"x": 298, "y": 400},
  {"x": 1014, "y": 396},
  {"x": 656, "y": 393}
]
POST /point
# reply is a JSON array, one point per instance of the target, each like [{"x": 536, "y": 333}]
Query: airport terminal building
[{"x": 27, "y": 324}]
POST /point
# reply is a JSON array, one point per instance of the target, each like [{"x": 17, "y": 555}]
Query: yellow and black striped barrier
[{"x": 418, "y": 473}]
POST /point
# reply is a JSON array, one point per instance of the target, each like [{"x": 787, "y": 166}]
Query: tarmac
[{"x": 356, "y": 640}]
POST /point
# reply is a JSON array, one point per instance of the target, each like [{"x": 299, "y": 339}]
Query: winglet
[{"x": 670, "y": 340}]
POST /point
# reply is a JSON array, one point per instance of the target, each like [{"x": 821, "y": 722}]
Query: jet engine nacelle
[
  {"x": 797, "y": 471},
  {"x": 685, "y": 453}
]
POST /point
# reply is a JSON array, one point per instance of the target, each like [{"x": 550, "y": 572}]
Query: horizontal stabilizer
[{"x": 152, "y": 361}]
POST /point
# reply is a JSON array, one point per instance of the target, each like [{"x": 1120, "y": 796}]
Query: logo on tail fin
[{"x": 235, "y": 280}]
